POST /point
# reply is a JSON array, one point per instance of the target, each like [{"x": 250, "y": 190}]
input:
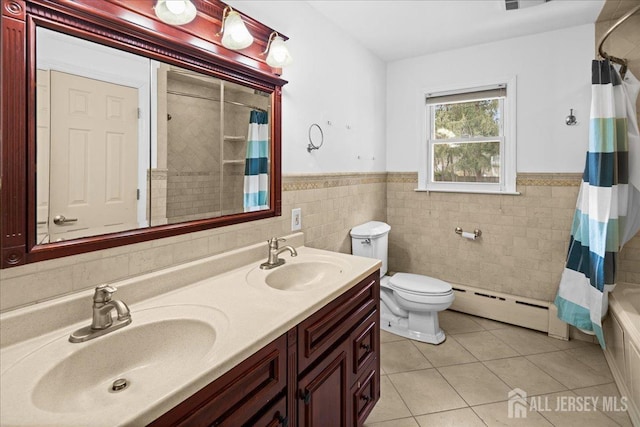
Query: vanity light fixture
[
  {"x": 175, "y": 12},
  {"x": 235, "y": 35},
  {"x": 279, "y": 55}
]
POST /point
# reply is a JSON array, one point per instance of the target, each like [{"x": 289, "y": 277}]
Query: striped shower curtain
[
  {"x": 256, "y": 166},
  {"x": 604, "y": 201}
]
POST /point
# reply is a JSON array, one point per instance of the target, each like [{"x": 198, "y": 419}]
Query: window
[{"x": 470, "y": 141}]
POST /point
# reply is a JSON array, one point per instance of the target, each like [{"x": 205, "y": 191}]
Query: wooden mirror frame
[{"x": 131, "y": 26}]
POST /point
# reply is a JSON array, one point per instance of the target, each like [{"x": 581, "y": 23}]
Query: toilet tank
[{"x": 371, "y": 240}]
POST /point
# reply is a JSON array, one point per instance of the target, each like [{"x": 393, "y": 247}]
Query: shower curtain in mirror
[
  {"x": 256, "y": 166},
  {"x": 607, "y": 211}
]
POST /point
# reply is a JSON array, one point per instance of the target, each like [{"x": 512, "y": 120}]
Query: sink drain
[{"x": 119, "y": 385}]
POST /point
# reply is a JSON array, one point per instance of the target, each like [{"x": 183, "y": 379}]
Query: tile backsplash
[
  {"x": 331, "y": 204},
  {"x": 524, "y": 238},
  {"x": 521, "y": 251}
]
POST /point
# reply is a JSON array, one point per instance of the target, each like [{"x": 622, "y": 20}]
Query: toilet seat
[{"x": 419, "y": 285}]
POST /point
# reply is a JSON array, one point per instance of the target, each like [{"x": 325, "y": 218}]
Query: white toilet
[{"x": 409, "y": 302}]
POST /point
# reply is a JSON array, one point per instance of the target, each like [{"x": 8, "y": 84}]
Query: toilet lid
[
  {"x": 418, "y": 284},
  {"x": 371, "y": 229}
]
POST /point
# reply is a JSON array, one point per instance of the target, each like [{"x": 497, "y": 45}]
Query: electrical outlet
[{"x": 296, "y": 219}]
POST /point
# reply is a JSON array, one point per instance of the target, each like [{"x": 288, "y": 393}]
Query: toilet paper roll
[{"x": 467, "y": 235}]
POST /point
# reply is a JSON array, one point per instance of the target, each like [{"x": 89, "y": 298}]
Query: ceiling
[{"x": 398, "y": 29}]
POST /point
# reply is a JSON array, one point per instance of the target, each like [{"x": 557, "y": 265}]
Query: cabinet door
[
  {"x": 323, "y": 392},
  {"x": 365, "y": 393}
]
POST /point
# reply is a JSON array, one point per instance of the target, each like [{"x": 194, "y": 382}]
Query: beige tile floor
[{"x": 465, "y": 381}]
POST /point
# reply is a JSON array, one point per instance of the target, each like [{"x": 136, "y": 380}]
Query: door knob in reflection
[{"x": 61, "y": 219}]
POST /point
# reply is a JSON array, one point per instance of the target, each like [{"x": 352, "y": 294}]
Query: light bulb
[
  {"x": 175, "y": 12},
  {"x": 176, "y": 6},
  {"x": 236, "y": 36},
  {"x": 279, "y": 55}
]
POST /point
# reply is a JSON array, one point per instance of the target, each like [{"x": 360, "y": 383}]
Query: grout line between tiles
[
  {"x": 478, "y": 415},
  {"x": 519, "y": 354},
  {"x": 401, "y": 398},
  {"x": 612, "y": 419},
  {"x": 443, "y": 377},
  {"x": 454, "y": 389},
  {"x": 502, "y": 341}
]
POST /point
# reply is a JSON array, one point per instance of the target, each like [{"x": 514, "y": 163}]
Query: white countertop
[{"x": 254, "y": 316}]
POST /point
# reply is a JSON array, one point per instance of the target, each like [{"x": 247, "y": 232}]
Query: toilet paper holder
[{"x": 476, "y": 232}]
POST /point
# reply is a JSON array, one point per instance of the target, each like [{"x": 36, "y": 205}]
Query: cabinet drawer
[
  {"x": 238, "y": 395},
  {"x": 365, "y": 394},
  {"x": 322, "y": 330},
  {"x": 274, "y": 416},
  {"x": 365, "y": 342}
]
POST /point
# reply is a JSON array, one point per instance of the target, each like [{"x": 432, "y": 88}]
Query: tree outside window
[{"x": 473, "y": 159}]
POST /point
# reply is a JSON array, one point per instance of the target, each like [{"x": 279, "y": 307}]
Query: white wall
[
  {"x": 332, "y": 78},
  {"x": 553, "y": 72}
]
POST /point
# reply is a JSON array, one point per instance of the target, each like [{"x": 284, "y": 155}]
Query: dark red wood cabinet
[{"x": 323, "y": 372}]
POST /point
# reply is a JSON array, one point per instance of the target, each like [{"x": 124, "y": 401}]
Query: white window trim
[{"x": 507, "y": 183}]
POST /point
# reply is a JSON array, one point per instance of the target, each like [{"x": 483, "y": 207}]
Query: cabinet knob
[
  {"x": 284, "y": 421},
  {"x": 306, "y": 396},
  {"x": 365, "y": 347},
  {"x": 365, "y": 398}
]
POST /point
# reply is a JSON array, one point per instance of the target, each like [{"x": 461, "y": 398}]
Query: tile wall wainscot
[
  {"x": 524, "y": 238},
  {"x": 331, "y": 205},
  {"x": 521, "y": 252}
]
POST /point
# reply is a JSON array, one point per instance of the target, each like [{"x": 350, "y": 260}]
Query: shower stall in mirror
[
  {"x": 207, "y": 122},
  {"x": 127, "y": 142}
]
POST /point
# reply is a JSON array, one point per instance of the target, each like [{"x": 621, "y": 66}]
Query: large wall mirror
[{"x": 131, "y": 136}]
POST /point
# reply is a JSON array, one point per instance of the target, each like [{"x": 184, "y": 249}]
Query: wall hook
[{"x": 571, "y": 119}]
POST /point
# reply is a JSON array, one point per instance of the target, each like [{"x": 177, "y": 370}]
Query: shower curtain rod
[
  {"x": 604, "y": 54},
  {"x": 173, "y": 92}
]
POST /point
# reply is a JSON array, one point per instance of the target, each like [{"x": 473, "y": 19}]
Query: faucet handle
[
  {"x": 273, "y": 242},
  {"x": 103, "y": 293}
]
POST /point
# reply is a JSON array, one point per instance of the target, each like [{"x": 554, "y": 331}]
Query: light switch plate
[{"x": 296, "y": 219}]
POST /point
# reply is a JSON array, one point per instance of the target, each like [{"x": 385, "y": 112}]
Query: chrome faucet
[
  {"x": 102, "y": 322},
  {"x": 274, "y": 251}
]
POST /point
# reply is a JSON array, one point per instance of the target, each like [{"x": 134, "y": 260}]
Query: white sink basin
[
  {"x": 301, "y": 273},
  {"x": 60, "y": 383}
]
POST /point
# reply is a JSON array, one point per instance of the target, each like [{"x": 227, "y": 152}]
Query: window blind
[{"x": 474, "y": 95}]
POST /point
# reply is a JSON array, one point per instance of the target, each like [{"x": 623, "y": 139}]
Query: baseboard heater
[{"x": 515, "y": 310}]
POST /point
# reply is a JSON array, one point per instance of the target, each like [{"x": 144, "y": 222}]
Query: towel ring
[{"x": 311, "y": 145}]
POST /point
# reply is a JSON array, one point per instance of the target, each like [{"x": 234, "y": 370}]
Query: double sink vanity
[{"x": 218, "y": 341}]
